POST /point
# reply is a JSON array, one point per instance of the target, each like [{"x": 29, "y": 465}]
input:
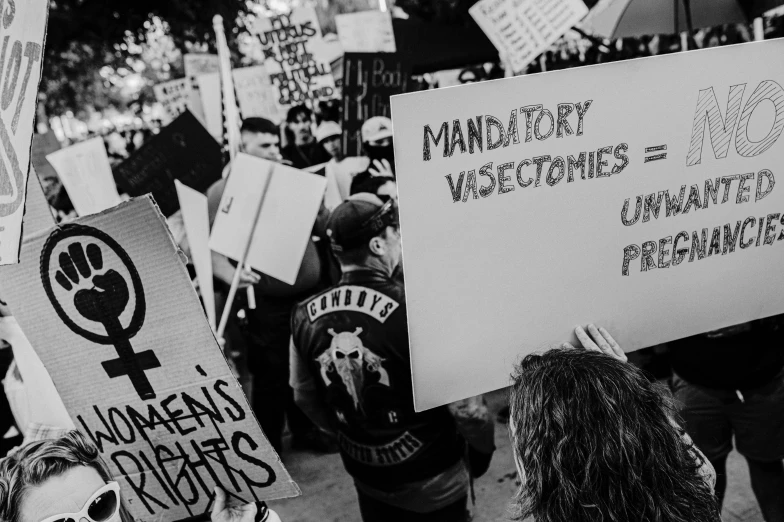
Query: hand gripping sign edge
[{"x": 129, "y": 363}]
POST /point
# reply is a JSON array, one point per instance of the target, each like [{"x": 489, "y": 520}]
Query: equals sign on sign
[{"x": 654, "y": 157}]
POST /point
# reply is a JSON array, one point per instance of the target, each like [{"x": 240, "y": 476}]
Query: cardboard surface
[
  {"x": 210, "y": 94},
  {"x": 293, "y": 197},
  {"x": 137, "y": 365},
  {"x": 366, "y": 32},
  {"x": 87, "y": 176},
  {"x": 183, "y": 150},
  {"x": 293, "y": 51},
  {"x": 193, "y": 205},
  {"x": 369, "y": 79},
  {"x": 175, "y": 97},
  {"x": 522, "y": 29},
  {"x": 21, "y": 57},
  {"x": 256, "y": 95},
  {"x": 498, "y": 266}
]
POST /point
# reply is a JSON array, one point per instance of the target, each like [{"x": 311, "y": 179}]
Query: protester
[
  {"x": 268, "y": 325},
  {"x": 66, "y": 480},
  {"x": 594, "y": 439},
  {"x": 350, "y": 370},
  {"x": 730, "y": 384},
  {"x": 383, "y": 186},
  {"x": 377, "y": 142},
  {"x": 302, "y": 150}
]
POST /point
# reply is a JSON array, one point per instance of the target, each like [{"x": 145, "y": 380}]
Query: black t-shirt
[
  {"x": 304, "y": 156},
  {"x": 741, "y": 357}
]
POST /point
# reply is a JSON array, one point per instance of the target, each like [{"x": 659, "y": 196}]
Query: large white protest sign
[
  {"x": 175, "y": 96},
  {"x": 196, "y": 64},
  {"x": 86, "y": 174},
  {"x": 255, "y": 93},
  {"x": 24, "y": 31},
  {"x": 366, "y": 32},
  {"x": 293, "y": 57},
  {"x": 193, "y": 205},
  {"x": 637, "y": 195},
  {"x": 110, "y": 310},
  {"x": 522, "y": 29},
  {"x": 293, "y": 197}
]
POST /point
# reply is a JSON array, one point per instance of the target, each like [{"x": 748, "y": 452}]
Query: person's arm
[{"x": 306, "y": 395}]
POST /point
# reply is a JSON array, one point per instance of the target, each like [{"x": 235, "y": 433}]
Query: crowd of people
[{"x": 595, "y": 436}]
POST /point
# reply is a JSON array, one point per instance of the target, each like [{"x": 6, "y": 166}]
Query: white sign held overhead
[
  {"x": 366, "y": 32},
  {"x": 256, "y": 95},
  {"x": 210, "y": 94},
  {"x": 175, "y": 97},
  {"x": 293, "y": 197},
  {"x": 24, "y": 32},
  {"x": 522, "y": 29},
  {"x": 193, "y": 205},
  {"x": 637, "y": 195},
  {"x": 86, "y": 174}
]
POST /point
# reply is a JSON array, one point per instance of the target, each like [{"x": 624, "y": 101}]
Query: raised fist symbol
[{"x": 108, "y": 297}]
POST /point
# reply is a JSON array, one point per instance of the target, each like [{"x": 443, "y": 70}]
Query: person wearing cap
[
  {"x": 350, "y": 371},
  {"x": 302, "y": 150},
  {"x": 377, "y": 145},
  {"x": 339, "y": 170}
]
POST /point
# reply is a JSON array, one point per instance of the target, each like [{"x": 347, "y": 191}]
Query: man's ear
[{"x": 376, "y": 246}]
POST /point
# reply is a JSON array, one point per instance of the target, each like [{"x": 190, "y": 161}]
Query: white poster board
[
  {"x": 636, "y": 195},
  {"x": 366, "y": 32},
  {"x": 210, "y": 94},
  {"x": 522, "y": 29},
  {"x": 110, "y": 309},
  {"x": 86, "y": 174},
  {"x": 293, "y": 197},
  {"x": 175, "y": 96},
  {"x": 256, "y": 95},
  {"x": 294, "y": 53},
  {"x": 193, "y": 205},
  {"x": 24, "y": 32}
]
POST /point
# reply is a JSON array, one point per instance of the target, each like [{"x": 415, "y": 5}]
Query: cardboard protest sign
[
  {"x": 193, "y": 205},
  {"x": 366, "y": 32},
  {"x": 292, "y": 46},
  {"x": 255, "y": 94},
  {"x": 196, "y": 64},
  {"x": 86, "y": 174},
  {"x": 293, "y": 197},
  {"x": 110, "y": 310},
  {"x": 183, "y": 150},
  {"x": 21, "y": 57},
  {"x": 522, "y": 29},
  {"x": 369, "y": 79},
  {"x": 636, "y": 195},
  {"x": 211, "y": 103},
  {"x": 174, "y": 95}
]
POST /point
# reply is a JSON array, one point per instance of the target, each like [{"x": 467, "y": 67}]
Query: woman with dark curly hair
[
  {"x": 65, "y": 480},
  {"x": 594, "y": 440}
]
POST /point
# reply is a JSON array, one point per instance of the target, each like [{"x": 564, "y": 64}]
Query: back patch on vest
[{"x": 352, "y": 299}]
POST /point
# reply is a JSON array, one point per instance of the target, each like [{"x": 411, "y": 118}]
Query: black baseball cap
[{"x": 360, "y": 218}]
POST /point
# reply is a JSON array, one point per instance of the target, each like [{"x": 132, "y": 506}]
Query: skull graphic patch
[{"x": 349, "y": 358}]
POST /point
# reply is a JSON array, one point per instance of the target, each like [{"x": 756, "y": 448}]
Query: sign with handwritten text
[
  {"x": 111, "y": 311},
  {"x": 21, "y": 58},
  {"x": 639, "y": 195}
]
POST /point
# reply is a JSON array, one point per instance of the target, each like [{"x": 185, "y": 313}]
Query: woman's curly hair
[
  {"x": 38, "y": 461},
  {"x": 595, "y": 441}
]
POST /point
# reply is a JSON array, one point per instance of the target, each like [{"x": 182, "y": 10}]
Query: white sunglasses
[{"x": 102, "y": 506}]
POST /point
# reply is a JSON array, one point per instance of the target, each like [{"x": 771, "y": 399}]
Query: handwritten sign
[
  {"x": 293, "y": 197},
  {"x": 637, "y": 195},
  {"x": 522, "y": 29},
  {"x": 292, "y": 44},
  {"x": 255, "y": 93},
  {"x": 366, "y": 32},
  {"x": 21, "y": 57},
  {"x": 196, "y": 64},
  {"x": 174, "y": 95},
  {"x": 86, "y": 174},
  {"x": 112, "y": 313},
  {"x": 369, "y": 79},
  {"x": 211, "y": 103},
  {"x": 183, "y": 150}
]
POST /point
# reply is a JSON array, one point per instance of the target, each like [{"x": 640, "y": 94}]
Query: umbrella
[{"x": 624, "y": 18}]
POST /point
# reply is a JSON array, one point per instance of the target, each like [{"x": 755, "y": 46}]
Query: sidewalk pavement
[{"x": 328, "y": 493}]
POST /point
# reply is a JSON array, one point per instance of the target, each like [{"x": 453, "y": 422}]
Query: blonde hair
[{"x": 38, "y": 461}]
